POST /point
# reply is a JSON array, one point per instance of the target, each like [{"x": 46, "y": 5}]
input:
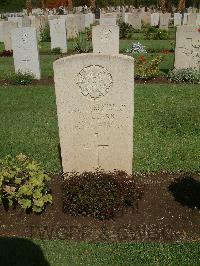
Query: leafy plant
[
  {"x": 189, "y": 75},
  {"x": 136, "y": 48},
  {"x": 99, "y": 194},
  {"x": 56, "y": 50},
  {"x": 147, "y": 69},
  {"x": 20, "y": 78},
  {"x": 153, "y": 33},
  {"x": 125, "y": 30},
  {"x": 6, "y": 53},
  {"x": 23, "y": 182},
  {"x": 45, "y": 34},
  {"x": 81, "y": 44}
]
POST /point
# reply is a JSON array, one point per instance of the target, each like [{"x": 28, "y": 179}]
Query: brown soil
[{"x": 167, "y": 212}]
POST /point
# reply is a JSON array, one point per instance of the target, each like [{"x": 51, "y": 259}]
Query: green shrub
[
  {"x": 147, "y": 69},
  {"x": 45, "y": 34},
  {"x": 23, "y": 182},
  {"x": 184, "y": 75},
  {"x": 125, "y": 30},
  {"x": 56, "y": 50},
  {"x": 20, "y": 78},
  {"x": 99, "y": 194},
  {"x": 152, "y": 33},
  {"x": 81, "y": 44}
]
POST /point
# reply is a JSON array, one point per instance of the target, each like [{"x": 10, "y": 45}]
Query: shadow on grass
[
  {"x": 20, "y": 252},
  {"x": 186, "y": 190}
]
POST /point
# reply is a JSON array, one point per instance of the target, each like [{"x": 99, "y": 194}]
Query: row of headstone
[{"x": 187, "y": 19}]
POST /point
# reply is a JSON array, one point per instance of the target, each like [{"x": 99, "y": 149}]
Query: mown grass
[
  {"x": 59, "y": 253},
  {"x": 166, "y": 126}
]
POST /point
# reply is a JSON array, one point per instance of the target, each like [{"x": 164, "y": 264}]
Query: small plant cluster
[
  {"x": 189, "y": 75},
  {"x": 99, "y": 194},
  {"x": 81, "y": 44},
  {"x": 23, "y": 182},
  {"x": 136, "y": 48},
  {"x": 56, "y": 50},
  {"x": 45, "y": 34},
  {"x": 148, "y": 69},
  {"x": 152, "y": 33},
  {"x": 125, "y": 30},
  {"x": 20, "y": 78},
  {"x": 6, "y": 53}
]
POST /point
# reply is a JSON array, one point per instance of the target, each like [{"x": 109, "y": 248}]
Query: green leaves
[{"x": 23, "y": 182}]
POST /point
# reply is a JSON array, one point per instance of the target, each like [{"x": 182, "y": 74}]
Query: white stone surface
[
  {"x": 1, "y": 31},
  {"x": 198, "y": 19},
  {"x": 8, "y": 27},
  {"x": 146, "y": 17},
  {"x": 135, "y": 20},
  {"x": 187, "y": 52},
  {"x": 25, "y": 51},
  {"x": 105, "y": 39},
  {"x": 58, "y": 34},
  {"x": 108, "y": 20},
  {"x": 155, "y": 18},
  {"x": 185, "y": 18},
  {"x": 72, "y": 27},
  {"x": 177, "y": 19},
  {"x": 18, "y": 20},
  {"x": 192, "y": 19},
  {"x": 94, "y": 96},
  {"x": 164, "y": 21}
]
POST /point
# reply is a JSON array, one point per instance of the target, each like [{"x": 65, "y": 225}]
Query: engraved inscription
[
  {"x": 105, "y": 35},
  {"x": 94, "y": 81}
]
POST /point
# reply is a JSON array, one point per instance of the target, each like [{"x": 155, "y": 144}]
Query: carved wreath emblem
[{"x": 94, "y": 81}]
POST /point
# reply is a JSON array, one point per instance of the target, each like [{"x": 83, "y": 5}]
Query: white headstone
[
  {"x": 155, "y": 18},
  {"x": 72, "y": 27},
  {"x": 187, "y": 52},
  {"x": 198, "y": 19},
  {"x": 135, "y": 20},
  {"x": 177, "y": 19},
  {"x": 164, "y": 21},
  {"x": 192, "y": 19},
  {"x": 25, "y": 51},
  {"x": 8, "y": 27},
  {"x": 108, "y": 20},
  {"x": 1, "y": 31},
  {"x": 185, "y": 18},
  {"x": 95, "y": 111},
  {"x": 105, "y": 39},
  {"x": 58, "y": 34},
  {"x": 18, "y": 20}
]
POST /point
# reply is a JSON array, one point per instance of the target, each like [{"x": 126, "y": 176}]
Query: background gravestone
[
  {"x": 58, "y": 34},
  {"x": 177, "y": 19},
  {"x": 105, "y": 39},
  {"x": 135, "y": 20},
  {"x": 155, "y": 17},
  {"x": 164, "y": 21},
  {"x": 72, "y": 27},
  {"x": 108, "y": 20},
  {"x": 187, "y": 52},
  {"x": 95, "y": 111},
  {"x": 8, "y": 27},
  {"x": 192, "y": 19},
  {"x": 25, "y": 51}
]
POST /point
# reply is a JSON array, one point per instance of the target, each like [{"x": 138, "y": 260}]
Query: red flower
[
  {"x": 142, "y": 58},
  {"x": 199, "y": 30}
]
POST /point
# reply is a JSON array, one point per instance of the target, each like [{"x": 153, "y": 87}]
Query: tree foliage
[{"x": 18, "y": 5}]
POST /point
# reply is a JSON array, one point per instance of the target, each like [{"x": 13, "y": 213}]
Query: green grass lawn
[
  {"x": 63, "y": 253},
  {"x": 166, "y": 126}
]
